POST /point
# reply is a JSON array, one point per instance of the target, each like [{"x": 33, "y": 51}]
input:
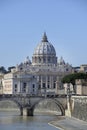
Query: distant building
[
  {"x": 82, "y": 68},
  {"x": 1, "y": 84},
  {"x": 75, "y": 69},
  {"x": 19, "y": 82},
  {"x": 41, "y": 76},
  {"x": 81, "y": 86},
  {"x": 68, "y": 87}
]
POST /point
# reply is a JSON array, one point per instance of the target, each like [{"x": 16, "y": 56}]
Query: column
[
  {"x": 20, "y": 87},
  {"x": 46, "y": 82},
  {"x": 50, "y": 82},
  {"x": 46, "y": 59},
  {"x": 41, "y": 82},
  {"x": 42, "y": 59}
]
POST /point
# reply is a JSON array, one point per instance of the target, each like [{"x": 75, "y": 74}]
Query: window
[
  {"x": 15, "y": 76},
  {"x": 15, "y": 85},
  {"x": 24, "y": 87},
  {"x": 43, "y": 85},
  {"x": 15, "y": 88},
  {"x": 33, "y": 85},
  {"x": 48, "y": 86},
  {"x": 44, "y": 60},
  {"x": 67, "y": 69},
  {"x": 33, "y": 76},
  {"x": 49, "y": 59},
  {"x": 54, "y": 86}
]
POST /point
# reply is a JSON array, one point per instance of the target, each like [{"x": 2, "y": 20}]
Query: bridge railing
[{"x": 29, "y": 96}]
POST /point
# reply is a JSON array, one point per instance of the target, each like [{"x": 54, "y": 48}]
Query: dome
[
  {"x": 44, "y": 48},
  {"x": 44, "y": 53}
]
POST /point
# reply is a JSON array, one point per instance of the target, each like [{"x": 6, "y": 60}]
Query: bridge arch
[
  {"x": 12, "y": 100},
  {"x": 58, "y": 104}
]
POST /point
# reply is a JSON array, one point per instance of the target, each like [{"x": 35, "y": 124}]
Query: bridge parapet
[
  {"x": 79, "y": 99},
  {"x": 79, "y": 107}
]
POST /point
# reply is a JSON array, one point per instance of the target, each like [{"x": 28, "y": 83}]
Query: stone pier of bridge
[{"x": 26, "y": 111}]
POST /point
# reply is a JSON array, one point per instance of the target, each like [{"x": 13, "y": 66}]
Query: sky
[{"x": 23, "y": 22}]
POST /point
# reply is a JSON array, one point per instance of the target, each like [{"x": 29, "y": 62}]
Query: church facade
[{"x": 41, "y": 76}]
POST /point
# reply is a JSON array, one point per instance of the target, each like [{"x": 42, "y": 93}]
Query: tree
[
  {"x": 2, "y": 69},
  {"x": 9, "y": 68},
  {"x": 72, "y": 77}
]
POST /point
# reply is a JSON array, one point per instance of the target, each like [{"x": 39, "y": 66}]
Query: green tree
[
  {"x": 9, "y": 68},
  {"x": 72, "y": 77},
  {"x": 2, "y": 69}
]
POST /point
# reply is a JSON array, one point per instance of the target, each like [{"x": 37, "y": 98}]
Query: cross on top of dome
[{"x": 44, "y": 38}]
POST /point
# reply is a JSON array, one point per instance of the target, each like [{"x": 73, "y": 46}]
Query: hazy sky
[{"x": 23, "y": 22}]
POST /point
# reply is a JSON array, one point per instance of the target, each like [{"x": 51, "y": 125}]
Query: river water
[{"x": 13, "y": 121}]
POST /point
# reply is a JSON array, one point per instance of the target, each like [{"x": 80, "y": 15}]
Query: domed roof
[{"x": 44, "y": 48}]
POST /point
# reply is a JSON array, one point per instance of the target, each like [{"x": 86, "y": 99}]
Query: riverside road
[{"x": 66, "y": 123}]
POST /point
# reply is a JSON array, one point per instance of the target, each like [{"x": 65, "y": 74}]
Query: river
[{"x": 11, "y": 120}]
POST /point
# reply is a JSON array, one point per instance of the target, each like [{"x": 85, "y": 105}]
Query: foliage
[
  {"x": 9, "y": 68},
  {"x": 72, "y": 77},
  {"x": 2, "y": 69}
]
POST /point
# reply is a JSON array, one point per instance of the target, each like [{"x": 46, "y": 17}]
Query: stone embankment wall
[{"x": 79, "y": 107}]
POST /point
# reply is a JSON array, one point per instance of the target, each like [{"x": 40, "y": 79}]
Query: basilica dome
[
  {"x": 44, "y": 53},
  {"x": 44, "y": 48}
]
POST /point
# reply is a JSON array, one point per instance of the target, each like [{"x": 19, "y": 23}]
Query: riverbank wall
[{"x": 79, "y": 107}]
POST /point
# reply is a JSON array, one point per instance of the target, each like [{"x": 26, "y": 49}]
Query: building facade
[
  {"x": 81, "y": 86},
  {"x": 1, "y": 83},
  {"x": 80, "y": 69},
  {"x": 41, "y": 76}
]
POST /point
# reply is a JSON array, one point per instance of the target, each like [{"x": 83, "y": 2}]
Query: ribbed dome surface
[{"x": 44, "y": 48}]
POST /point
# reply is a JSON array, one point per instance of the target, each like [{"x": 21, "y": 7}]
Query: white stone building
[
  {"x": 1, "y": 84},
  {"x": 68, "y": 88},
  {"x": 41, "y": 76},
  {"x": 81, "y": 86},
  {"x": 80, "y": 69}
]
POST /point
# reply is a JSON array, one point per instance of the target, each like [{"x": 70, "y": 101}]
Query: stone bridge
[{"x": 28, "y": 103}]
